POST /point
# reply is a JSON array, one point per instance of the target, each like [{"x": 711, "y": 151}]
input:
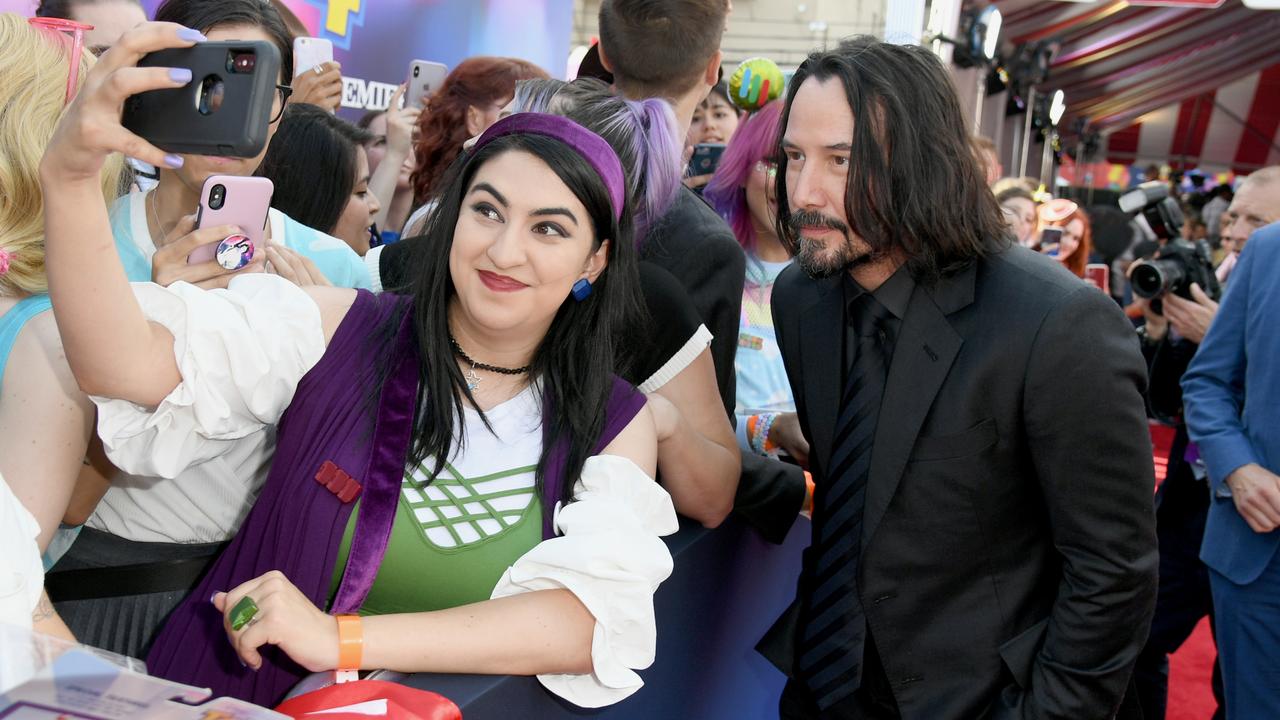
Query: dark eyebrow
[
  {"x": 838, "y": 147},
  {"x": 492, "y": 191},
  {"x": 556, "y": 211}
]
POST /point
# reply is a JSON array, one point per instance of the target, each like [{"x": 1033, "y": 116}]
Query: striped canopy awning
[{"x": 1193, "y": 85}]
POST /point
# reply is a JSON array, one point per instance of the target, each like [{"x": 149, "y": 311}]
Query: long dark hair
[
  {"x": 574, "y": 364},
  {"x": 312, "y": 161},
  {"x": 204, "y": 15},
  {"x": 914, "y": 185}
]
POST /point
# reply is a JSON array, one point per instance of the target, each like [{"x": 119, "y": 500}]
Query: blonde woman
[{"x": 45, "y": 421}]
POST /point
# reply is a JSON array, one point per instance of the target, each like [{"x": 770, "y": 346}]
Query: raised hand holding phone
[{"x": 111, "y": 346}]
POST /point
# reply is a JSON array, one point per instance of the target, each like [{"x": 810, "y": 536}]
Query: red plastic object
[{"x": 402, "y": 703}]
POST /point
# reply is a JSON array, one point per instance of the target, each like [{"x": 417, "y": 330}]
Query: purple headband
[{"x": 593, "y": 148}]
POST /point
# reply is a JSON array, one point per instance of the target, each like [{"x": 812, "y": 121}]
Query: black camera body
[{"x": 1172, "y": 270}]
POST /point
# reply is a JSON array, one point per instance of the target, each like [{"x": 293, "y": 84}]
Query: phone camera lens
[
  {"x": 242, "y": 63},
  {"x": 417, "y": 71},
  {"x": 217, "y": 196}
]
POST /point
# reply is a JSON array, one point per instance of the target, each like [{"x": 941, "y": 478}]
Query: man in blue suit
[{"x": 1231, "y": 393}]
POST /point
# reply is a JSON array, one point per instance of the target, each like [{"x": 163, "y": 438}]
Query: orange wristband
[
  {"x": 350, "y": 642},
  {"x": 808, "y": 487}
]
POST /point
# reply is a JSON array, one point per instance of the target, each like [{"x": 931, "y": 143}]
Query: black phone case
[{"x": 171, "y": 120}]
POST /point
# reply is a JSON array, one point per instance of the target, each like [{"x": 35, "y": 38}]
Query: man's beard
[{"x": 819, "y": 260}]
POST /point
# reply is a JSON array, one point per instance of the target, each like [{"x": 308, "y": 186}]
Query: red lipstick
[{"x": 500, "y": 283}]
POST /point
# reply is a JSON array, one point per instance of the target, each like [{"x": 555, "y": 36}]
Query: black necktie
[{"x": 833, "y": 628}]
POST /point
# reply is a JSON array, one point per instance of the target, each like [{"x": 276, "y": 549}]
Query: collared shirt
[{"x": 894, "y": 294}]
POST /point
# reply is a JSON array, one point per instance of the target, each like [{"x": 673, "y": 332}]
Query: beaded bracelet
[{"x": 760, "y": 441}]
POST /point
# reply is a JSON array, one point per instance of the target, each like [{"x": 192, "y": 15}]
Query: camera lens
[
  {"x": 1154, "y": 278},
  {"x": 212, "y": 92},
  {"x": 241, "y": 62},
  {"x": 417, "y": 71},
  {"x": 217, "y": 196}
]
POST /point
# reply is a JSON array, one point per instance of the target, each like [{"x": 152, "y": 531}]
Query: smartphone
[
  {"x": 309, "y": 52},
  {"x": 424, "y": 78},
  {"x": 1099, "y": 275},
  {"x": 706, "y": 158},
  {"x": 1050, "y": 238},
  {"x": 233, "y": 200},
  {"x": 224, "y": 110}
]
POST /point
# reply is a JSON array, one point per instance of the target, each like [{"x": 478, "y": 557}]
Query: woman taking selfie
[
  {"x": 493, "y": 477},
  {"x": 45, "y": 420},
  {"x": 153, "y": 229}
]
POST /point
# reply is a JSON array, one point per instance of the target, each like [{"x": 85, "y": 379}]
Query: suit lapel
[
  {"x": 925, "y": 350},
  {"x": 820, "y": 338}
]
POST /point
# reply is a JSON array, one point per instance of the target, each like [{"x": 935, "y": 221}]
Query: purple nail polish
[
  {"x": 191, "y": 35},
  {"x": 213, "y": 597},
  {"x": 180, "y": 75},
  {"x": 173, "y": 161}
]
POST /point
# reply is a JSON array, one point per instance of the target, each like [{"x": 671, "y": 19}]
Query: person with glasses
[
  {"x": 153, "y": 230},
  {"x": 742, "y": 192},
  {"x": 155, "y": 530}
]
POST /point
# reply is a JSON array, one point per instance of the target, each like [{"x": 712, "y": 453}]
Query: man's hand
[
  {"x": 1256, "y": 492},
  {"x": 1190, "y": 319},
  {"x": 321, "y": 86},
  {"x": 785, "y": 433}
]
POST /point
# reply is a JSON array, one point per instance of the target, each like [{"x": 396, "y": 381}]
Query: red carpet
[{"x": 1190, "y": 697}]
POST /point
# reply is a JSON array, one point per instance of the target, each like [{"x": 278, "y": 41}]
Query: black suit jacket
[
  {"x": 695, "y": 245},
  {"x": 1009, "y": 553}
]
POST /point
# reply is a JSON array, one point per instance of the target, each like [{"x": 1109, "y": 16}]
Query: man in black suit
[{"x": 983, "y": 541}]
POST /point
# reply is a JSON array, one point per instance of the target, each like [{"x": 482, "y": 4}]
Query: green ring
[{"x": 243, "y": 613}]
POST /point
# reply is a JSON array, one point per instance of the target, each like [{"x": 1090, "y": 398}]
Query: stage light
[
  {"x": 1057, "y": 108},
  {"x": 988, "y": 22},
  {"x": 980, "y": 30}
]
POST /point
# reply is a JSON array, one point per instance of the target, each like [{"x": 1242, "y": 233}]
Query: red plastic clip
[{"x": 345, "y": 487}]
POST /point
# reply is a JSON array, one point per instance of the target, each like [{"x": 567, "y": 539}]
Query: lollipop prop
[{"x": 755, "y": 83}]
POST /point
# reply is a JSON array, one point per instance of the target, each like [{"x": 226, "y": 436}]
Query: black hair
[
  {"x": 367, "y": 119},
  {"x": 722, "y": 89},
  {"x": 915, "y": 186},
  {"x": 312, "y": 162},
  {"x": 576, "y": 361},
  {"x": 205, "y": 15}
]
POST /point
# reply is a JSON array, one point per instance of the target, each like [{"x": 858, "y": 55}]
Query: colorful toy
[{"x": 755, "y": 82}]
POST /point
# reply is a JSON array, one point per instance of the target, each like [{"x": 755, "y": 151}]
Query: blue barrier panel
[{"x": 727, "y": 589}]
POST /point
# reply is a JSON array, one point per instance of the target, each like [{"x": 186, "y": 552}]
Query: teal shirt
[{"x": 339, "y": 263}]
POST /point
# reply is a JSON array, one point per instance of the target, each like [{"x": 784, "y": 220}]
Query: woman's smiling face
[{"x": 521, "y": 242}]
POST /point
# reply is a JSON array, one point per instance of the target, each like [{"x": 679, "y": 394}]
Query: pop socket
[{"x": 234, "y": 252}]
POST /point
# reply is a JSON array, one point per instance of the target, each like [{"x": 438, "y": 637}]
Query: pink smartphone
[
  {"x": 1100, "y": 275},
  {"x": 239, "y": 201}
]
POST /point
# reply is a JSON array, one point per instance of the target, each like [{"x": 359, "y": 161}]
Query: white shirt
[
  {"x": 21, "y": 572},
  {"x": 241, "y": 353}
]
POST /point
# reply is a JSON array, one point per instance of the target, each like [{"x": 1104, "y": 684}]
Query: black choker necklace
[{"x": 473, "y": 380}]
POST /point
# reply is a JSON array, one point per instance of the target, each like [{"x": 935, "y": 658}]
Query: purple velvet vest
[{"x": 297, "y": 522}]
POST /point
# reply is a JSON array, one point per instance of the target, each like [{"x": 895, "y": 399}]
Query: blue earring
[{"x": 581, "y": 290}]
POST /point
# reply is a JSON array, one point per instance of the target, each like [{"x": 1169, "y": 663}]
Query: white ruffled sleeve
[
  {"x": 241, "y": 353},
  {"x": 612, "y": 558}
]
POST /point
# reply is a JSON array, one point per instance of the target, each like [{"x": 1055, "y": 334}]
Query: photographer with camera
[{"x": 1178, "y": 291}]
